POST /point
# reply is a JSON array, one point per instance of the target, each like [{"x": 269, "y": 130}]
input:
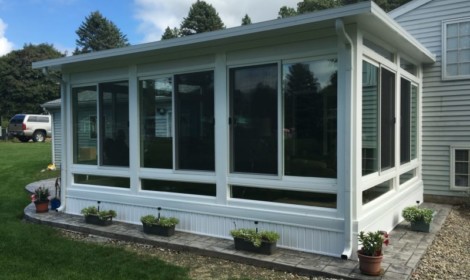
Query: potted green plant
[
  {"x": 419, "y": 218},
  {"x": 371, "y": 253},
  {"x": 93, "y": 215},
  {"x": 160, "y": 226},
  {"x": 252, "y": 240},
  {"x": 41, "y": 199}
]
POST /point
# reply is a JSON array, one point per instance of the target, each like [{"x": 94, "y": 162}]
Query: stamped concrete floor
[{"x": 401, "y": 257}]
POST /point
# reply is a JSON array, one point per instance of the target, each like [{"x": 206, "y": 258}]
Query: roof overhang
[{"x": 367, "y": 15}]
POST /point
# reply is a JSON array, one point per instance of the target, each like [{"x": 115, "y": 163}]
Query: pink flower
[{"x": 33, "y": 198}]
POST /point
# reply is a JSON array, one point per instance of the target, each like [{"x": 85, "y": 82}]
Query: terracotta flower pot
[
  {"x": 370, "y": 265},
  {"x": 42, "y": 206}
]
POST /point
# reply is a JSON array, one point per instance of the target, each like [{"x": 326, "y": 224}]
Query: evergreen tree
[
  {"x": 202, "y": 17},
  {"x": 171, "y": 33},
  {"x": 285, "y": 11},
  {"x": 98, "y": 33},
  {"x": 23, "y": 89},
  {"x": 246, "y": 20}
]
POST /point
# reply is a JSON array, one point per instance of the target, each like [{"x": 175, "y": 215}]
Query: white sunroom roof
[{"x": 367, "y": 15}]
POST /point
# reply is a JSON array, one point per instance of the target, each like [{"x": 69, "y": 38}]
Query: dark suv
[{"x": 26, "y": 127}]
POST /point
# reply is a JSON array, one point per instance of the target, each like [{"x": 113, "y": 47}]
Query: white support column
[{"x": 222, "y": 149}]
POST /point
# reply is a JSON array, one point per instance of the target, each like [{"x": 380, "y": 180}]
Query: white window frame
[
  {"x": 452, "y": 167},
  {"x": 444, "y": 50}
]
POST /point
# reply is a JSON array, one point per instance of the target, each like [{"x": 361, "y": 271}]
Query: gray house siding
[
  {"x": 446, "y": 104},
  {"x": 53, "y": 107}
]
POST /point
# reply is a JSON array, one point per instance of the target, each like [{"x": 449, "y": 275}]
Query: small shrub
[
  {"x": 162, "y": 221},
  {"x": 414, "y": 214},
  {"x": 102, "y": 214},
  {"x": 255, "y": 237}
]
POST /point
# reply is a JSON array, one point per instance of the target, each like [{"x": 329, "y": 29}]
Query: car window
[
  {"x": 17, "y": 119},
  {"x": 43, "y": 119},
  {"x": 32, "y": 119}
]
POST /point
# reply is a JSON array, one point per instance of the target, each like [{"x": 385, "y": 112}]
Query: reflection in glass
[
  {"x": 387, "y": 119},
  {"x": 405, "y": 177},
  {"x": 179, "y": 187},
  {"x": 326, "y": 200},
  {"x": 84, "y": 100},
  {"x": 310, "y": 109},
  {"x": 254, "y": 119},
  {"x": 376, "y": 191},
  {"x": 114, "y": 128},
  {"x": 370, "y": 118},
  {"x": 106, "y": 181},
  {"x": 414, "y": 122},
  {"x": 156, "y": 134},
  {"x": 194, "y": 95},
  {"x": 405, "y": 121}
]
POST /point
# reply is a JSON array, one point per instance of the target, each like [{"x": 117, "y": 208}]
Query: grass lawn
[{"x": 29, "y": 251}]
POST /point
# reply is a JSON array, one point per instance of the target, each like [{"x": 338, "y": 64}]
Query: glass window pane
[
  {"x": 461, "y": 155},
  {"x": 179, "y": 187},
  {"x": 414, "y": 122},
  {"x": 284, "y": 196},
  {"x": 461, "y": 181},
  {"x": 84, "y": 104},
  {"x": 376, "y": 191},
  {"x": 310, "y": 108},
  {"x": 405, "y": 121},
  {"x": 452, "y": 56},
  {"x": 465, "y": 69},
  {"x": 254, "y": 119},
  {"x": 464, "y": 42},
  {"x": 461, "y": 167},
  {"x": 465, "y": 56},
  {"x": 405, "y": 177},
  {"x": 114, "y": 125},
  {"x": 118, "y": 182},
  {"x": 156, "y": 133},
  {"x": 464, "y": 28},
  {"x": 194, "y": 95},
  {"x": 387, "y": 102},
  {"x": 452, "y": 30},
  {"x": 370, "y": 118},
  {"x": 452, "y": 70},
  {"x": 452, "y": 43}
]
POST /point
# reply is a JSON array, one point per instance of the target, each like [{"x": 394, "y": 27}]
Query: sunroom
[{"x": 309, "y": 125}]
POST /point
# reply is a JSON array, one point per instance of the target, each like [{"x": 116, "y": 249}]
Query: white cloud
[
  {"x": 5, "y": 45},
  {"x": 156, "y": 15}
]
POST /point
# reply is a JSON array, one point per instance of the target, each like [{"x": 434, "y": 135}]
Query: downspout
[
  {"x": 63, "y": 84},
  {"x": 346, "y": 46}
]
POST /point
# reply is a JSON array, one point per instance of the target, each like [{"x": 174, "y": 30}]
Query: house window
[
  {"x": 193, "y": 100},
  {"x": 378, "y": 119},
  {"x": 109, "y": 144},
  {"x": 408, "y": 121},
  {"x": 254, "y": 119},
  {"x": 326, "y": 200},
  {"x": 456, "y": 50},
  {"x": 460, "y": 168},
  {"x": 194, "y": 95},
  {"x": 156, "y": 105},
  {"x": 179, "y": 187},
  {"x": 376, "y": 191},
  {"x": 310, "y": 109},
  {"x": 105, "y": 181}
]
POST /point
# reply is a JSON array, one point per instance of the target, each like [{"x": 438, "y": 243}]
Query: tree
[
  {"x": 246, "y": 20},
  {"x": 98, "y": 33},
  {"x": 285, "y": 11},
  {"x": 171, "y": 33},
  {"x": 307, "y": 6},
  {"x": 22, "y": 89},
  {"x": 202, "y": 17}
]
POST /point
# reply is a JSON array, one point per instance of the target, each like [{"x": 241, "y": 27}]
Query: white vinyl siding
[{"x": 446, "y": 104}]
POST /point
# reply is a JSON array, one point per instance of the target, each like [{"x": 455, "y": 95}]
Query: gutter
[{"x": 347, "y": 47}]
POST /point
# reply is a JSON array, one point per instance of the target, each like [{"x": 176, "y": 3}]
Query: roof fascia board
[
  {"x": 407, "y": 8},
  {"x": 378, "y": 12},
  {"x": 315, "y": 17}
]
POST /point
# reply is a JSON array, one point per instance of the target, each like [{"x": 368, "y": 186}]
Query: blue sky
[{"x": 55, "y": 21}]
